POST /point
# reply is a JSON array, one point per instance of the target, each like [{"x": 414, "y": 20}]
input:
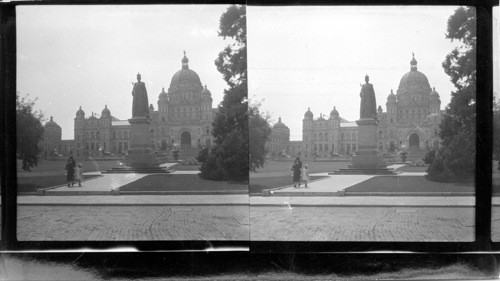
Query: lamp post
[
  {"x": 403, "y": 153},
  {"x": 175, "y": 152}
]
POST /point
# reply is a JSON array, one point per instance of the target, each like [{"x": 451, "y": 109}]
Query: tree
[
  {"x": 29, "y": 131},
  {"x": 228, "y": 158},
  {"x": 496, "y": 128},
  {"x": 455, "y": 160},
  {"x": 259, "y": 133}
]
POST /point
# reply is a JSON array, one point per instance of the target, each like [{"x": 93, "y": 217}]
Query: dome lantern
[
  {"x": 413, "y": 63},
  {"x": 185, "y": 61}
]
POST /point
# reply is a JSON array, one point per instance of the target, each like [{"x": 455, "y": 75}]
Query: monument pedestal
[
  {"x": 140, "y": 155},
  {"x": 367, "y": 160},
  {"x": 140, "y": 158}
]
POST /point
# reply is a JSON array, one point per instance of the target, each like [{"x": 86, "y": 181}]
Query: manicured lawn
[
  {"x": 31, "y": 184},
  {"x": 181, "y": 183},
  {"x": 408, "y": 184},
  {"x": 259, "y": 184}
]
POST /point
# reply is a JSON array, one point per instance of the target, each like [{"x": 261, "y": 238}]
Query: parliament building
[
  {"x": 410, "y": 123},
  {"x": 182, "y": 120}
]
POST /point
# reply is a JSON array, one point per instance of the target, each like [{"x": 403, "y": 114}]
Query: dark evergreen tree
[
  {"x": 29, "y": 132},
  {"x": 228, "y": 158},
  {"x": 455, "y": 160},
  {"x": 260, "y": 131}
]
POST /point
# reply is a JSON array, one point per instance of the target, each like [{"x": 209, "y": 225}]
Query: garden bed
[
  {"x": 408, "y": 184},
  {"x": 31, "y": 184}
]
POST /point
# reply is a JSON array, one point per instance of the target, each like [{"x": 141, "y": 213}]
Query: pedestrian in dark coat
[
  {"x": 297, "y": 165},
  {"x": 70, "y": 171}
]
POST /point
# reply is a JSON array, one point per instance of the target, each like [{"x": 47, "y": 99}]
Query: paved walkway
[
  {"x": 333, "y": 183},
  {"x": 106, "y": 182},
  {"x": 362, "y": 224},
  {"x": 132, "y": 223},
  {"x": 109, "y": 182}
]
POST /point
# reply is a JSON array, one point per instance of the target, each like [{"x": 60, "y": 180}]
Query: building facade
[
  {"x": 183, "y": 120},
  {"x": 410, "y": 123}
]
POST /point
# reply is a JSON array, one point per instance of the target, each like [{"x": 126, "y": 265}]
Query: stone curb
[
  {"x": 118, "y": 192},
  {"x": 365, "y": 194},
  {"x": 360, "y": 205},
  {"x": 132, "y": 204}
]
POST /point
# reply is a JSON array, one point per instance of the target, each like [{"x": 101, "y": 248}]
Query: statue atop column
[
  {"x": 368, "y": 108},
  {"x": 140, "y": 105}
]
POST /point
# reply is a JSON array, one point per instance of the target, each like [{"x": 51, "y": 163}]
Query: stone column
[{"x": 140, "y": 155}]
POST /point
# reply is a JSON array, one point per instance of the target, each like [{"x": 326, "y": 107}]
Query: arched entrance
[
  {"x": 414, "y": 142},
  {"x": 185, "y": 140}
]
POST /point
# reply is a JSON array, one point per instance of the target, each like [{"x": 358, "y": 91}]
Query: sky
[
  {"x": 317, "y": 57},
  {"x": 71, "y": 56}
]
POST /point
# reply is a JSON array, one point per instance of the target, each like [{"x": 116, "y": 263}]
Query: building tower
[
  {"x": 79, "y": 131},
  {"x": 307, "y": 132},
  {"x": 333, "y": 131},
  {"x": 105, "y": 129}
]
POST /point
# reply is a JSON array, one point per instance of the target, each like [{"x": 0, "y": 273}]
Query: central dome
[
  {"x": 414, "y": 80},
  {"x": 185, "y": 76}
]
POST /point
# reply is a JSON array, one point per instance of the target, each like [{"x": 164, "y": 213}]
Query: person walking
[
  {"x": 79, "y": 174},
  {"x": 297, "y": 165},
  {"x": 304, "y": 175},
  {"x": 70, "y": 171}
]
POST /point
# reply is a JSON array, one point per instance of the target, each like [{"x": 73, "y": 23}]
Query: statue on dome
[
  {"x": 368, "y": 108},
  {"x": 140, "y": 102}
]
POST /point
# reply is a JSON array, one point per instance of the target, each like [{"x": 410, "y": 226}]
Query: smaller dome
[
  {"x": 308, "y": 114},
  {"x": 163, "y": 94},
  {"x": 334, "y": 112},
  {"x": 105, "y": 112},
  {"x": 205, "y": 91},
  {"x": 391, "y": 97},
  {"x": 379, "y": 109},
  {"x": 280, "y": 125},
  {"x": 80, "y": 113},
  {"x": 151, "y": 107},
  {"x": 51, "y": 123},
  {"x": 434, "y": 95}
]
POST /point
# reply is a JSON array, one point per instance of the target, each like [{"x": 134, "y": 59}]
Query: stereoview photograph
[
  {"x": 132, "y": 123},
  {"x": 362, "y": 123},
  {"x": 495, "y": 212}
]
